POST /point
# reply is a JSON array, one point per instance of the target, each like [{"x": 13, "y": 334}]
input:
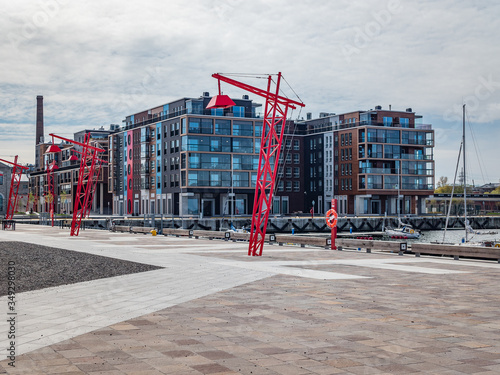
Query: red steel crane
[
  {"x": 51, "y": 188},
  {"x": 86, "y": 176},
  {"x": 275, "y": 112},
  {"x": 95, "y": 178},
  {"x": 17, "y": 171}
]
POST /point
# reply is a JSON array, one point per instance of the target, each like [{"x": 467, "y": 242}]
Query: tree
[
  {"x": 496, "y": 191},
  {"x": 443, "y": 181},
  {"x": 446, "y": 189}
]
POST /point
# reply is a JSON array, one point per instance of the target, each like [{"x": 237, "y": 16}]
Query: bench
[
  {"x": 457, "y": 251},
  {"x": 175, "y": 232},
  {"x": 369, "y": 245},
  {"x": 301, "y": 240},
  {"x": 144, "y": 230},
  {"x": 121, "y": 228}
]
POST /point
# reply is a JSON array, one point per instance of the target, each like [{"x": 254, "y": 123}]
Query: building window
[
  {"x": 280, "y": 185},
  {"x": 387, "y": 121},
  {"x": 288, "y": 172},
  {"x": 222, "y": 127},
  {"x": 296, "y": 172},
  {"x": 296, "y": 186},
  {"x": 296, "y": 158},
  {"x": 288, "y": 158},
  {"x": 243, "y": 128},
  {"x": 289, "y": 186},
  {"x": 296, "y": 145},
  {"x": 217, "y": 112},
  {"x": 350, "y": 139},
  {"x": 342, "y": 140},
  {"x": 238, "y": 111},
  {"x": 405, "y": 122}
]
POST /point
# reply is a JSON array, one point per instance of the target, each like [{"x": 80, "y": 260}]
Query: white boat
[{"x": 402, "y": 231}]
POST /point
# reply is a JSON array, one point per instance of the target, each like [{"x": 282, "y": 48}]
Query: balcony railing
[{"x": 375, "y": 170}]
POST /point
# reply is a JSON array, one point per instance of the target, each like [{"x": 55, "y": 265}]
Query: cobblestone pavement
[{"x": 292, "y": 311}]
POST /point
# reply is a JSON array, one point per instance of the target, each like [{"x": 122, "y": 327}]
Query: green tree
[{"x": 496, "y": 191}]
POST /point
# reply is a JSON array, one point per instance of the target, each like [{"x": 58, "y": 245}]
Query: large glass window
[
  {"x": 244, "y": 128},
  {"x": 209, "y": 161},
  {"x": 375, "y": 151},
  {"x": 390, "y": 182},
  {"x": 222, "y": 127},
  {"x": 198, "y": 178},
  {"x": 258, "y": 129},
  {"x": 374, "y": 182},
  {"x": 196, "y": 143},
  {"x": 238, "y": 111},
  {"x": 192, "y": 206},
  {"x": 217, "y": 112},
  {"x": 392, "y": 152},
  {"x": 201, "y": 126},
  {"x": 194, "y": 107},
  {"x": 392, "y": 136},
  {"x": 387, "y": 121},
  {"x": 245, "y": 162},
  {"x": 243, "y": 145},
  {"x": 240, "y": 179},
  {"x": 220, "y": 144}
]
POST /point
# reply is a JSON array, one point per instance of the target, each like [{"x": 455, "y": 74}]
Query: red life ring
[{"x": 331, "y": 218}]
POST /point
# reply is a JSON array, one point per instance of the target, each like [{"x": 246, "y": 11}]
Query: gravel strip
[{"x": 39, "y": 267}]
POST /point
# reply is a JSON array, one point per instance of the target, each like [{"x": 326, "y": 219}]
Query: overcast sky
[{"x": 95, "y": 62}]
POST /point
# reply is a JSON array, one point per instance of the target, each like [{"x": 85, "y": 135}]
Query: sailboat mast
[{"x": 465, "y": 177}]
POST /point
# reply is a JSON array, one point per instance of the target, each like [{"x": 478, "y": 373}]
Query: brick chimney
[{"x": 39, "y": 120}]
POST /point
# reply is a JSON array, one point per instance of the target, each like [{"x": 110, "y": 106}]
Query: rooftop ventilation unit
[{"x": 378, "y": 107}]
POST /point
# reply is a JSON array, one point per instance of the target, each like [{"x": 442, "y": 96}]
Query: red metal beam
[
  {"x": 275, "y": 112},
  {"x": 85, "y": 183},
  {"x": 15, "y": 182},
  {"x": 265, "y": 94},
  {"x": 78, "y": 143},
  {"x": 51, "y": 189}
]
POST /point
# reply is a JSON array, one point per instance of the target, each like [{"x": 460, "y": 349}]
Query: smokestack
[{"x": 39, "y": 120}]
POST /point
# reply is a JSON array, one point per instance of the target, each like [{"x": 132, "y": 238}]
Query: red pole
[{"x": 334, "y": 227}]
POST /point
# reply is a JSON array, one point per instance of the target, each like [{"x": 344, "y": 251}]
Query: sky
[{"x": 96, "y": 62}]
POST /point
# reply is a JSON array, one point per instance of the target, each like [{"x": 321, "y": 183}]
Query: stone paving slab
[{"x": 388, "y": 315}]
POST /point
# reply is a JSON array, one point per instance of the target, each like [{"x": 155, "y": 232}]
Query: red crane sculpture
[
  {"x": 94, "y": 179},
  {"x": 86, "y": 177},
  {"x": 17, "y": 171},
  {"x": 275, "y": 112},
  {"x": 51, "y": 188}
]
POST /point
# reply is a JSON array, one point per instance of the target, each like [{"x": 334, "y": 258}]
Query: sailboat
[
  {"x": 469, "y": 231},
  {"x": 403, "y": 230}
]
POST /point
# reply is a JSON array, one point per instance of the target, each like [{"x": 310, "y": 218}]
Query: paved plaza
[{"x": 211, "y": 309}]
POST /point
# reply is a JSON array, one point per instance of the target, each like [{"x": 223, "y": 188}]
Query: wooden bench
[
  {"x": 369, "y": 245},
  {"x": 301, "y": 240},
  {"x": 457, "y": 251},
  {"x": 144, "y": 230},
  {"x": 175, "y": 232},
  {"x": 122, "y": 228}
]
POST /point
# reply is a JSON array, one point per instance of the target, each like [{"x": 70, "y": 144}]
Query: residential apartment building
[
  {"x": 182, "y": 159},
  {"x": 67, "y": 163},
  {"x": 374, "y": 155}
]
